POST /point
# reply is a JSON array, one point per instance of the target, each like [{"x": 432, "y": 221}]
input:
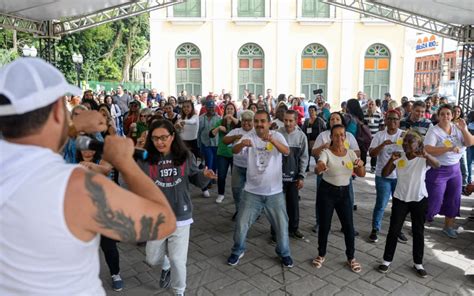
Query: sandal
[
  {"x": 317, "y": 262},
  {"x": 354, "y": 266}
]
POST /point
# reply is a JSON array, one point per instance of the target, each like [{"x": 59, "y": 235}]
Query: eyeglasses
[{"x": 160, "y": 138}]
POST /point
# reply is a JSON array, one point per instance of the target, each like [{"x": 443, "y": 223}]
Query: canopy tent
[
  {"x": 53, "y": 18},
  {"x": 452, "y": 19}
]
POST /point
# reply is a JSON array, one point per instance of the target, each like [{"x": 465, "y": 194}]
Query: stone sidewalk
[{"x": 449, "y": 262}]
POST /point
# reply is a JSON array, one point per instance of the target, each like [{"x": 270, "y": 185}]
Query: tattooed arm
[{"x": 94, "y": 204}]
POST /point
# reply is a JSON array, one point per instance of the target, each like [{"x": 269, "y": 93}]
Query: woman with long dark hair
[
  {"x": 224, "y": 153},
  {"x": 173, "y": 168},
  {"x": 188, "y": 126},
  {"x": 116, "y": 114}
]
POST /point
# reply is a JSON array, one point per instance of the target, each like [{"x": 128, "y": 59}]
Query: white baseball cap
[{"x": 28, "y": 84}]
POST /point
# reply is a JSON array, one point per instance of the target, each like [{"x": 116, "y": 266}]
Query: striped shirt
[
  {"x": 421, "y": 126},
  {"x": 374, "y": 122}
]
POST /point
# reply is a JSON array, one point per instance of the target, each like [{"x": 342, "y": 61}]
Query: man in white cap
[{"x": 51, "y": 213}]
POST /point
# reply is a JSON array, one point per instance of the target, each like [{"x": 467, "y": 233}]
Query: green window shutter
[
  {"x": 179, "y": 10},
  {"x": 259, "y": 8},
  {"x": 313, "y": 77},
  {"x": 243, "y": 8},
  {"x": 308, "y": 8},
  {"x": 194, "y": 8},
  {"x": 251, "y": 8},
  {"x": 322, "y": 9},
  {"x": 188, "y": 76},
  {"x": 190, "y": 8}
]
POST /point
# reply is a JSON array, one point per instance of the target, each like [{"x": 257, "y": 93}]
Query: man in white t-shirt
[{"x": 263, "y": 188}]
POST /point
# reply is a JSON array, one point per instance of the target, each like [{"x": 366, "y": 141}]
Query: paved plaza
[{"x": 449, "y": 262}]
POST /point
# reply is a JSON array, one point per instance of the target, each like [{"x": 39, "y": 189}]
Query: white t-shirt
[
  {"x": 325, "y": 137},
  {"x": 264, "y": 165},
  {"x": 190, "y": 128},
  {"x": 411, "y": 179},
  {"x": 437, "y": 137},
  {"x": 340, "y": 168},
  {"x": 386, "y": 153},
  {"x": 240, "y": 159}
]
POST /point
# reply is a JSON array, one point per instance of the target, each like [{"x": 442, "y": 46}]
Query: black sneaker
[
  {"x": 165, "y": 278},
  {"x": 287, "y": 261},
  {"x": 372, "y": 170},
  {"x": 420, "y": 272},
  {"x": 234, "y": 259},
  {"x": 296, "y": 235},
  {"x": 383, "y": 268},
  {"x": 402, "y": 238},
  {"x": 373, "y": 236}
]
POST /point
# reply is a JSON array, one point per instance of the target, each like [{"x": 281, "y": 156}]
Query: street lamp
[
  {"x": 29, "y": 51},
  {"x": 144, "y": 71},
  {"x": 78, "y": 60}
]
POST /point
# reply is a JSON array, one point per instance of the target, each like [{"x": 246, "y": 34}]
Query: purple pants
[{"x": 444, "y": 187}]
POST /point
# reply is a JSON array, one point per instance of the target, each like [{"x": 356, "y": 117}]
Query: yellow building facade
[{"x": 290, "y": 46}]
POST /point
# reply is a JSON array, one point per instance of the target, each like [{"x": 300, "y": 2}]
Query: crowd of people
[
  {"x": 274, "y": 139},
  {"x": 421, "y": 153}
]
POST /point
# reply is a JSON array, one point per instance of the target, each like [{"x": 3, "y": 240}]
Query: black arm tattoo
[{"x": 117, "y": 221}]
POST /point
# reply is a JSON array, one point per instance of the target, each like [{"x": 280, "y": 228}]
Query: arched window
[
  {"x": 188, "y": 69},
  {"x": 377, "y": 71},
  {"x": 314, "y": 69},
  {"x": 251, "y": 69}
]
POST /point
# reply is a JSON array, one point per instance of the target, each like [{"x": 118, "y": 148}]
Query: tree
[{"x": 110, "y": 51}]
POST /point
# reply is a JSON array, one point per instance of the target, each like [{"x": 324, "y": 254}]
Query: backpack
[{"x": 363, "y": 136}]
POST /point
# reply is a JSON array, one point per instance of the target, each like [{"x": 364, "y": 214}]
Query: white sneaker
[
  {"x": 206, "y": 193},
  {"x": 220, "y": 198}
]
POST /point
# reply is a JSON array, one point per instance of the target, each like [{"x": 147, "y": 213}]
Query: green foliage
[{"x": 104, "y": 48}]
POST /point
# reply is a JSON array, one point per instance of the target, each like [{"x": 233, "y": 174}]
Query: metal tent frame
[
  {"x": 48, "y": 31},
  {"x": 464, "y": 34}
]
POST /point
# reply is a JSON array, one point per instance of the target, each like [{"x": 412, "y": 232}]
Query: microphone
[{"x": 86, "y": 143}]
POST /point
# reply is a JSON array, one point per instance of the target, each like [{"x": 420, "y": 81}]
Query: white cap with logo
[{"x": 29, "y": 84}]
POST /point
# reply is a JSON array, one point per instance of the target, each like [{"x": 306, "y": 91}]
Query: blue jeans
[
  {"x": 223, "y": 164},
  {"x": 384, "y": 188},
  {"x": 274, "y": 208},
  {"x": 210, "y": 153},
  {"x": 239, "y": 176},
  {"x": 470, "y": 159}
]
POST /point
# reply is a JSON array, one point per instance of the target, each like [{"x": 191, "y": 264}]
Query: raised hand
[
  {"x": 359, "y": 163},
  {"x": 320, "y": 168},
  {"x": 396, "y": 155},
  {"x": 209, "y": 173},
  {"x": 90, "y": 121},
  {"x": 247, "y": 143}
]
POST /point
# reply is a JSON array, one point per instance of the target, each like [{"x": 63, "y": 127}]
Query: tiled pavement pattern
[{"x": 449, "y": 262}]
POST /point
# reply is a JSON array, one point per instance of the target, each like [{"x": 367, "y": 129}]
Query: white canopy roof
[
  {"x": 460, "y": 12},
  {"x": 44, "y": 10}
]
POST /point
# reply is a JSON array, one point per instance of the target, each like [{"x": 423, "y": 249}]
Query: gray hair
[
  {"x": 247, "y": 115},
  {"x": 146, "y": 111}
]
